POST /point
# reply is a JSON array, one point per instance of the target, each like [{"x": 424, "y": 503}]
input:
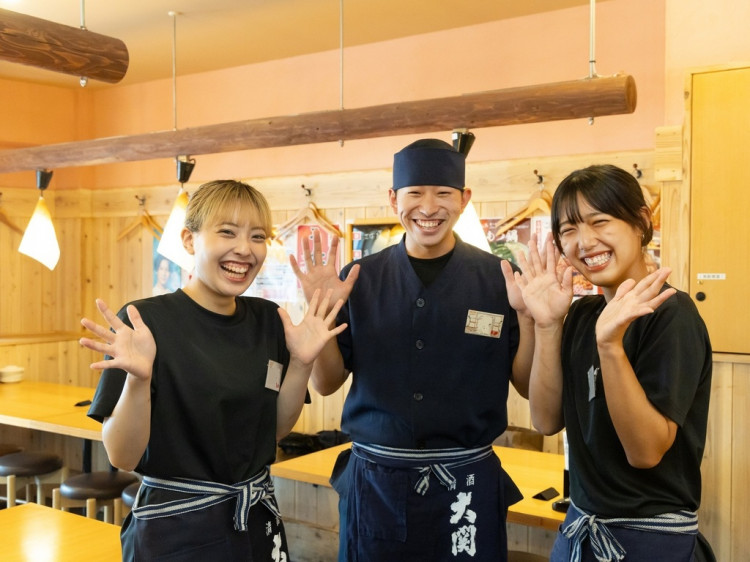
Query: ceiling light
[
  {"x": 170, "y": 244},
  {"x": 469, "y": 228},
  {"x": 40, "y": 241}
]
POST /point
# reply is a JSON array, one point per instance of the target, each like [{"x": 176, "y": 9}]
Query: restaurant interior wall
[{"x": 40, "y": 310}]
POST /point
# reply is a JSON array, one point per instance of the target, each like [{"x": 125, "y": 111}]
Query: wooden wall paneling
[
  {"x": 284, "y": 492},
  {"x": 31, "y": 293},
  {"x": 518, "y": 537},
  {"x": 541, "y": 541},
  {"x": 740, "y": 495},
  {"x": 10, "y": 280},
  {"x": 130, "y": 261},
  {"x": 716, "y": 468},
  {"x": 311, "y": 518},
  {"x": 367, "y": 188},
  {"x": 88, "y": 259},
  {"x": 529, "y": 539},
  {"x": 668, "y": 154},
  {"x": 62, "y": 309}
]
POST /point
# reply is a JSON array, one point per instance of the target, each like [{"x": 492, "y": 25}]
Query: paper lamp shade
[
  {"x": 470, "y": 230},
  {"x": 39, "y": 240},
  {"x": 170, "y": 244}
]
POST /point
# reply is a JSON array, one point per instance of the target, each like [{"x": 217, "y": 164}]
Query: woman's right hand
[
  {"x": 131, "y": 349},
  {"x": 545, "y": 288}
]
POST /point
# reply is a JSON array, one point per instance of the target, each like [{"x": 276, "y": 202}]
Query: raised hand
[
  {"x": 305, "y": 340},
  {"x": 319, "y": 275},
  {"x": 632, "y": 300},
  {"x": 132, "y": 349},
  {"x": 542, "y": 289}
]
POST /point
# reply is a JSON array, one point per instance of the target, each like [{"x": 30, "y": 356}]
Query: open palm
[
  {"x": 131, "y": 349},
  {"x": 305, "y": 340},
  {"x": 632, "y": 300},
  {"x": 320, "y": 275},
  {"x": 545, "y": 289}
]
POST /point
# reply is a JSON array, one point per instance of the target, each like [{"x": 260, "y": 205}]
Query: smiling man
[{"x": 432, "y": 345}]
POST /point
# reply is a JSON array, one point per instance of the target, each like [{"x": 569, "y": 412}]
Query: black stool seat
[
  {"x": 101, "y": 485},
  {"x": 29, "y": 463},
  {"x": 7, "y": 449},
  {"x": 129, "y": 493}
]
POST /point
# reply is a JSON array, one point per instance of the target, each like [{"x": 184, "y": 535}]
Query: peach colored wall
[
  {"x": 702, "y": 34},
  {"x": 523, "y": 51},
  {"x": 539, "y": 49}
]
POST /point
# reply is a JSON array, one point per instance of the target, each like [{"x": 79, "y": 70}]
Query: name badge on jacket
[{"x": 484, "y": 324}]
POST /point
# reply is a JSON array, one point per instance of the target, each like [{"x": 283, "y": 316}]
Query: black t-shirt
[
  {"x": 671, "y": 355},
  {"x": 212, "y": 417}
]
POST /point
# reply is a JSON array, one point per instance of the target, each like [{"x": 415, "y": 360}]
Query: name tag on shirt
[
  {"x": 484, "y": 324},
  {"x": 273, "y": 375}
]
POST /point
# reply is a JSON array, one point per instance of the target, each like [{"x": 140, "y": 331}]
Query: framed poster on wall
[{"x": 367, "y": 236}]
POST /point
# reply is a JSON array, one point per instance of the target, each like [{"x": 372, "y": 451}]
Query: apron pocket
[{"x": 382, "y": 504}]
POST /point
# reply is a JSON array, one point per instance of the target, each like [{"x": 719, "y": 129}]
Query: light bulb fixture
[
  {"x": 469, "y": 227},
  {"x": 185, "y": 167},
  {"x": 39, "y": 241},
  {"x": 170, "y": 244},
  {"x": 463, "y": 140}
]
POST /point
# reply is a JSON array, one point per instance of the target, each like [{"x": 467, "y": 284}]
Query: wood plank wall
[{"x": 40, "y": 310}]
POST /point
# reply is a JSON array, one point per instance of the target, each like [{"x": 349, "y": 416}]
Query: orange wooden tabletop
[
  {"x": 532, "y": 471},
  {"x": 48, "y": 407},
  {"x": 33, "y": 532}
]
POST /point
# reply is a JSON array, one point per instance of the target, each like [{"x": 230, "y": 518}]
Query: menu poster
[
  {"x": 275, "y": 280},
  {"x": 371, "y": 238},
  {"x": 513, "y": 242}
]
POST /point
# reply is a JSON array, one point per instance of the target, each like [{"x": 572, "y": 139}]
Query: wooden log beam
[
  {"x": 61, "y": 48},
  {"x": 595, "y": 97}
]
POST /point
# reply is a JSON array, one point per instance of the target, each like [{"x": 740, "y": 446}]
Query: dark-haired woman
[{"x": 626, "y": 373}]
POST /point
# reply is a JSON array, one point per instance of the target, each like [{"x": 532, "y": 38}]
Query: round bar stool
[
  {"x": 27, "y": 468},
  {"x": 128, "y": 497},
  {"x": 7, "y": 449},
  {"x": 94, "y": 490}
]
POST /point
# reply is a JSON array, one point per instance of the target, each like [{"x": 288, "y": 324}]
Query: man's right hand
[{"x": 318, "y": 275}]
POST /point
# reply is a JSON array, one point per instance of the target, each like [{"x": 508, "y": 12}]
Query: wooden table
[
  {"x": 33, "y": 532},
  {"x": 50, "y": 407},
  {"x": 532, "y": 472}
]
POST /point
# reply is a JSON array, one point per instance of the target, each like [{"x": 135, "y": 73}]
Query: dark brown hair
[{"x": 608, "y": 189}]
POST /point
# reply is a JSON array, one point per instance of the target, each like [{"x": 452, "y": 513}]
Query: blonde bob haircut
[{"x": 225, "y": 198}]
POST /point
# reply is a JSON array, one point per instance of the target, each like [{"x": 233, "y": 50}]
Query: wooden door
[{"x": 720, "y": 205}]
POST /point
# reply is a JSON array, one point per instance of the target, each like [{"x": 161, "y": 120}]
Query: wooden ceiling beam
[
  {"x": 591, "y": 97},
  {"x": 61, "y": 48}
]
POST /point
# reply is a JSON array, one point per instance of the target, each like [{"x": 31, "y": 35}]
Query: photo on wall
[
  {"x": 167, "y": 275},
  {"x": 512, "y": 243}
]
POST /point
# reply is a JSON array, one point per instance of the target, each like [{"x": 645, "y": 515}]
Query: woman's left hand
[
  {"x": 307, "y": 339},
  {"x": 632, "y": 300}
]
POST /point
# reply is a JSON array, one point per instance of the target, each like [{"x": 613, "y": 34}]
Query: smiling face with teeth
[
  {"x": 428, "y": 213},
  {"x": 606, "y": 250},
  {"x": 228, "y": 243},
  {"x": 601, "y": 224}
]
